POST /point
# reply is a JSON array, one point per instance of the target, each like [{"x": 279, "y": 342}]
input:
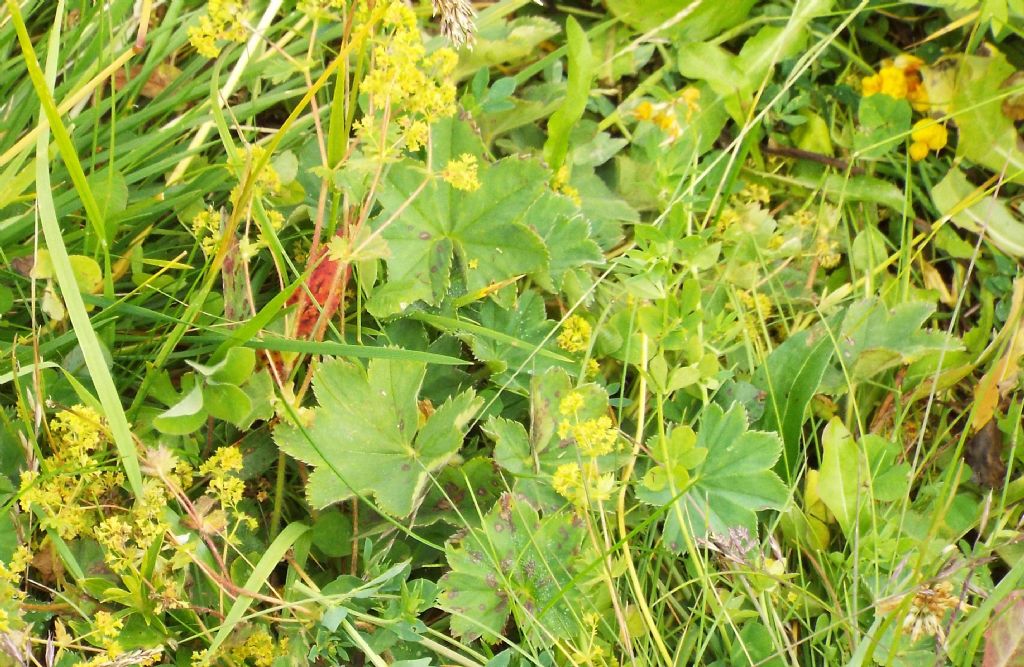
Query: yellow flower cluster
[
  {"x": 11, "y": 593},
  {"x": 403, "y": 81},
  {"x": 320, "y": 9},
  {"x": 583, "y": 485},
  {"x": 129, "y": 538},
  {"x": 206, "y": 226},
  {"x": 826, "y": 251},
  {"x": 664, "y": 114},
  {"x": 266, "y": 182},
  {"x": 594, "y": 437},
  {"x": 73, "y": 480},
  {"x": 560, "y": 183},
  {"x": 227, "y": 487},
  {"x": 76, "y": 434},
  {"x": 755, "y": 193},
  {"x": 259, "y": 649},
  {"x": 223, "y": 21},
  {"x": 927, "y": 135},
  {"x": 461, "y": 173},
  {"x": 571, "y": 404},
  {"x": 575, "y": 335},
  {"x": 757, "y": 304},
  {"x": 899, "y": 78}
]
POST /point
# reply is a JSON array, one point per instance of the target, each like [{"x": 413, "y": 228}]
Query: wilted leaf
[
  {"x": 159, "y": 78},
  {"x": 984, "y": 453},
  {"x": 1004, "y": 639},
  {"x": 987, "y": 135}
]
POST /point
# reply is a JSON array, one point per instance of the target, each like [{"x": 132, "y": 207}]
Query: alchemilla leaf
[
  {"x": 522, "y": 564},
  {"x": 437, "y": 230},
  {"x": 725, "y": 489},
  {"x": 368, "y": 435}
]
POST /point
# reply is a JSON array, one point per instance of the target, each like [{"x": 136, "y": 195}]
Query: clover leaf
[
  {"x": 517, "y": 563},
  {"x": 369, "y": 437},
  {"x": 717, "y": 489}
]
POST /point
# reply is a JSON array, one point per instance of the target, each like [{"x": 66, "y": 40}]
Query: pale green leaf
[
  {"x": 842, "y": 474},
  {"x": 577, "y": 91}
]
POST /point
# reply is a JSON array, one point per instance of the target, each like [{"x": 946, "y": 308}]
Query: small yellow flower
[
  {"x": 595, "y": 437},
  {"x": 899, "y": 78},
  {"x": 644, "y": 111},
  {"x": 461, "y": 173},
  {"x": 575, "y": 336},
  {"x": 571, "y": 404},
  {"x": 415, "y": 133},
  {"x": 871, "y": 85},
  {"x": 664, "y": 119},
  {"x": 691, "y": 98},
  {"x": 566, "y": 480},
  {"x": 107, "y": 626},
  {"x": 826, "y": 251},
  {"x": 918, "y": 151},
  {"x": 927, "y": 135},
  {"x": 473, "y": 263}
]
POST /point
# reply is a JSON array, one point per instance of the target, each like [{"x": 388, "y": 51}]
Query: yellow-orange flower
[{"x": 927, "y": 135}]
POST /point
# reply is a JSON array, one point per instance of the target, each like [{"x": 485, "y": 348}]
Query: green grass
[{"x": 331, "y": 426}]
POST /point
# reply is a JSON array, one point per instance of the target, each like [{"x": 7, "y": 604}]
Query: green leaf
[
  {"x": 842, "y": 474},
  {"x": 566, "y": 233},
  {"x": 260, "y": 574},
  {"x": 503, "y": 42},
  {"x": 700, "y": 21},
  {"x": 483, "y": 229},
  {"x": 110, "y": 190},
  {"x": 332, "y": 533},
  {"x": 971, "y": 209},
  {"x": 525, "y": 322},
  {"x": 577, "y": 91},
  {"x": 517, "y": 563},
  {"x": 462, "y": 493},
  {"x": 789, "y": 379},
  {"x": 365, "y": 437},
  {"x": 732, "y": 483},
  {"x": 883, "y": 124},
  {"x": 185, "y": 416},
  {"x": 874, "y": 338},
  {"x": 986, "y": 134},
  {"x": 227, "y": 402}
]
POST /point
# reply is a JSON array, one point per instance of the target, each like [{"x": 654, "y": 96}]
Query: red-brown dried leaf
[
  {"x": 162, "y": 76},
  {"x": 1004, "y": 639},
  {"x": 325, "y": 284}
]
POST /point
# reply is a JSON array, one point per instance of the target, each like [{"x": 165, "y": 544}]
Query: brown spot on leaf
[{"x": 984, "y": 453}]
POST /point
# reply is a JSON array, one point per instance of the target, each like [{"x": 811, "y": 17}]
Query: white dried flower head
[{"x": 457, "y": 22}]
